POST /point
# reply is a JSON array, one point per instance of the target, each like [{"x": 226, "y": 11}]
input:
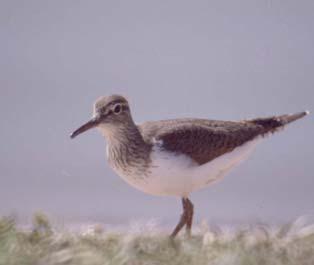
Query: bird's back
[{"x": 204, "y": 140}]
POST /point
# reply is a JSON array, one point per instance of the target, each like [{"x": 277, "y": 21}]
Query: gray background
[{"x": 213, "y": 59}]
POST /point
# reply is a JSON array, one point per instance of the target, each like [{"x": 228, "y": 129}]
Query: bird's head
[{"x": 110, "y": 113}]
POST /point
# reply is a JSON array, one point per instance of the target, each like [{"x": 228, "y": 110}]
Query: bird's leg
[
  {"x": 183, "y": 218},
  {"x": 190, "y": 212}
]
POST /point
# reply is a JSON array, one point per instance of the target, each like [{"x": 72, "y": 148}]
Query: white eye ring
[{"x": 117, "y": 109}]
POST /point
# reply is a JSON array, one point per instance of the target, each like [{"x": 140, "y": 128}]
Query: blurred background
[{"x": 212, "y": 59}]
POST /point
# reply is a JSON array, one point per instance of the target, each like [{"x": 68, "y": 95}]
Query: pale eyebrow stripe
[
  {"x": 124, "y": 105},
  {"x": 118, "y": 102}
]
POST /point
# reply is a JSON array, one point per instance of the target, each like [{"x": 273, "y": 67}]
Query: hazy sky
[{"x": 212, "y": 59}]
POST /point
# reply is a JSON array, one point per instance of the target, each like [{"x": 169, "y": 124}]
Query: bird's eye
[{"x": 117, "y": 109}]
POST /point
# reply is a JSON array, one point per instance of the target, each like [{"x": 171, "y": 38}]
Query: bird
[{"x": 176, "y": 157}]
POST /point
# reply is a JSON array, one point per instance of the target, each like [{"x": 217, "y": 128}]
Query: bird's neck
[{"x": 126, "y": 145}]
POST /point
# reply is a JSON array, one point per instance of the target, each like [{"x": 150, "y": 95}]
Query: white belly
[{"x": 179, "y": 175}]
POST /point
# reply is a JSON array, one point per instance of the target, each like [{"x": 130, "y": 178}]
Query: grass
[{"x": 291, "y": 244}]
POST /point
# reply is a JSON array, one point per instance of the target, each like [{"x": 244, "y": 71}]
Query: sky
[{"x": 225, "y": 60}]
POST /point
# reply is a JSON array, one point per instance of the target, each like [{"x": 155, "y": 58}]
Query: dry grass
[{"x": 290, "y": 244}]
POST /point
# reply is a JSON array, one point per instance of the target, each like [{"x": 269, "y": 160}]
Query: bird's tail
[{"x": 272, "y": 124}]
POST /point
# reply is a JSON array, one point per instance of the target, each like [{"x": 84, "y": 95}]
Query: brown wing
[{"x": 202, "y": 140}]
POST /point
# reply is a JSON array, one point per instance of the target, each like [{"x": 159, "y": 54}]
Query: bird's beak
[{"x": 88, "y": 125}]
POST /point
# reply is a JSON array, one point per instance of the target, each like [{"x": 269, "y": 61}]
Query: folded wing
[{"x": 205, "y": 140}]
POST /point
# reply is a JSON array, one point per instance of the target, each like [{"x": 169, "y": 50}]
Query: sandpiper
[{"x": 179, "y": 156}]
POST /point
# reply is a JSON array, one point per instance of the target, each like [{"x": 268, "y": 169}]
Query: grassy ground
[{"x": 41, "y": 245}]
